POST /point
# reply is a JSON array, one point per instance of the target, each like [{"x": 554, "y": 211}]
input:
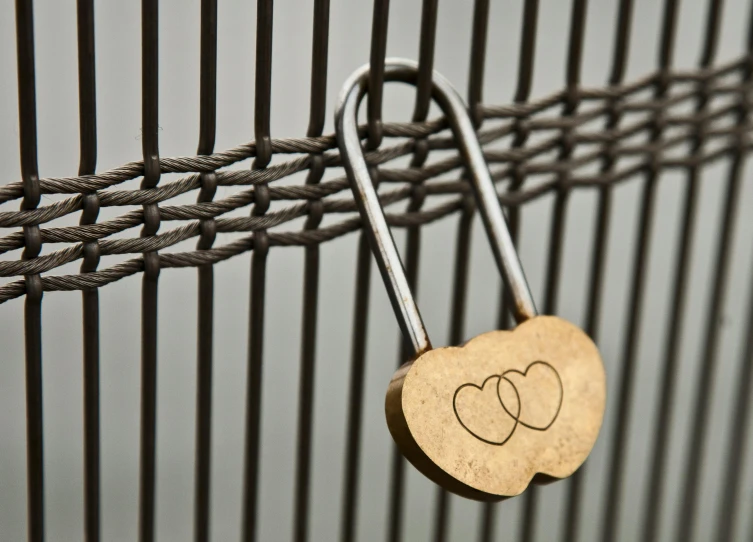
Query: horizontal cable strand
[{"x": 537, "y": 160}]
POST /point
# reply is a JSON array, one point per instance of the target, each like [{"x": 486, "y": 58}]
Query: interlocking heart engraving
[
  {"x": 509, "y": 407},
  {"x": 531, "y": 398}
]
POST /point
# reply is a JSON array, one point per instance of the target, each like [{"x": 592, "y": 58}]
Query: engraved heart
[
  {"x": 479, "y": 410},
  {"x": 535, "y": 394}
]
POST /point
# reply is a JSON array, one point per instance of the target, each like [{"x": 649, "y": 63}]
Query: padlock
[{"x": 486, "y": 418}]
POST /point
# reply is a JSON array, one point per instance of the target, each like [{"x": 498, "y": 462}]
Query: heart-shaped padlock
[{"x": 484, "y": 419}]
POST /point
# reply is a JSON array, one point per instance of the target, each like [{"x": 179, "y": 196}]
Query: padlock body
[{"x": 509, "y": 407}]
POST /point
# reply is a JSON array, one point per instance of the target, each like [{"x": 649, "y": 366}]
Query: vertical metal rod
[
  {"x": 478, "y": 59},
  {"x": 526, "y": 61},
  {"x": 205, "y": 330},
  {"x": 621, "y": 42},
  {"x": 32, "y": 240},
  {"x": 87, "y": 88},
  {"x": 694, "y": 460},
  {"x": 525, "y": 76},
  {"x": 728, "y": 507},
  {"x": 630, "y": 346},
  {"x": 306, "y": 392},
  {"x": 262, "y": 107},
  {"x": 90, "y": 296},
  {"x": 34, "y": 426},
  {"x": 253, "y": 415},
  {"x": 427, "y": 42},
  {"x": 601, "y": 235},
  {"x": 729, "y": 504},
  {"x": 205, "y": 312},
  {"x": 311, "y": 275},
  {"x": 457, "y": 331},
  {"x": 425, "y": 60},
  {"x": 355, "y": 394},
  {"x": 379, "y": 27},
  {"x": 413, "y": 242},
  {"x": 656, "y": 476},
  {"x": 91, "y": 414},
  {"x": 691, "y": 479},
  {"x": 149, "y": 297},
  {"x": 527, "y": 53},
  {"x": 625, "y": 378},
  {"x": 487, "y": 522},
  {"x": 148, "y": 403},
  {"x": 412, "y": 254},
  {"x": 711, "y": 41},
  {"x": 557, "y": 232}
]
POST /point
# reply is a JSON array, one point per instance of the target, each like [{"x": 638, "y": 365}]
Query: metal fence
[{"x": 575, "y": 139}]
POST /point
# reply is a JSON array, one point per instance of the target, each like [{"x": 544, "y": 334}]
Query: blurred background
[{"x": 118, "y": 69}]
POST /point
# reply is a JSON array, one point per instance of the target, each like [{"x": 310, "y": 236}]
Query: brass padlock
[{"x": 484, "y": 419}]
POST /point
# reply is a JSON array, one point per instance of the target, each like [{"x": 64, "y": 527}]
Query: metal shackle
[{"x": 377, "y": 230}]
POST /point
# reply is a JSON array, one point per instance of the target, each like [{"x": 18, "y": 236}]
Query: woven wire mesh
[{"x": 576, "y": 139}]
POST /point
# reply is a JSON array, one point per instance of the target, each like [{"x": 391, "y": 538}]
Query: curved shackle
[{"x": 380, "y": 237}]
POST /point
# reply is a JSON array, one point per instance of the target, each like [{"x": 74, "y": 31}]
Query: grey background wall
[{"x": 118, "y": 94}]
